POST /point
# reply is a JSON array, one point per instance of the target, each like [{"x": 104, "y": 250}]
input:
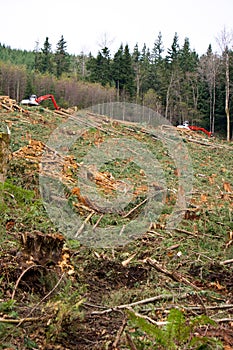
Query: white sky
[{"x": 86, "y": 24}]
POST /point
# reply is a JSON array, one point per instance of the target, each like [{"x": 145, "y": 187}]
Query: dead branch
[
  {"x": 130, "y": 342},
  {"x": 135, "y": 208},
  {"x": 119, "y": 334},
  {"x": 222, "y": 320},
  {"x": 149, "y": 319},
  {"x": 186, "y": 232},
  {"x": 210, "y": 145},
  {"x": 155, "y": 233},
  {"x": 175, "y": 276},
  {"x": 163, "y": 323},
  {"x": 230, "y": 261},
  {"x": 84, "y": 223},
  {"x": 20, "y": 277},
  {"x": 22, "y": 320},
  {"x": 42, "y": 300},
  {"x": 62, "y": 113},
  {"x": 201, "y": 143},
  {"x": 98, "y": 221},
  {"x": 196, "y": 308},
  {"x": 127, "y": 261},
  {"x": 140, "y": 302}
]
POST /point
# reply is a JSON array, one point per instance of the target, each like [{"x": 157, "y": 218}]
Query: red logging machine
[{"x": 35, "y": 101}]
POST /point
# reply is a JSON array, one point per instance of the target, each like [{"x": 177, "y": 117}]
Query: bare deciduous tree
[
  {"x": 225, "y": 41},
  {"x": 208, "y": 69}
]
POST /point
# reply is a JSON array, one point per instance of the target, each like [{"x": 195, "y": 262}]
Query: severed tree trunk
[
  {"x": 4, "y": 154},
  {"x": 43, "y": 249}
]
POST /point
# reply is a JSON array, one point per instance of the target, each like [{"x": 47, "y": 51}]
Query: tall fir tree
[
  {"x": 145, "y": 67},
  {"x": 100, "y": 67},
  {"x": 61, "y": 57},
  {"x": 45, "y": 58},
  {"x": 123, "y": 73},
  {"x": 117, "y": 70},
  {"x": 173, "y": 52},
  {"x": 137, "y": 70},
  {"x": 188, "y": 58},
  {"x": 158, "y": 49},
  {"x": 157, "y": 66},
  {"x": 128, "y": 72}
]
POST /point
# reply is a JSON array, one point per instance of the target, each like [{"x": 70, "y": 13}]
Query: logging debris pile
[
  {"x": 66, "y": 168},
  {"x": 10, "y": 105}
]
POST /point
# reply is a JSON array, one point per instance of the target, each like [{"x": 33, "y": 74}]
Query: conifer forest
[{"x": 176, "y": 82}]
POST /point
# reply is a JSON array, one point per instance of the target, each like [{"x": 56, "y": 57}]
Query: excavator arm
[
  {"x": 47, "y": 97},
  {"x": 197, "y": 128}
]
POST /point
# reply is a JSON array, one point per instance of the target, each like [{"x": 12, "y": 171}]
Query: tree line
[{"x": 177, "y": 82}]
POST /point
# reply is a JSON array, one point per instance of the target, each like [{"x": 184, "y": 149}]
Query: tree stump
[{"x": 44, "y": 249}]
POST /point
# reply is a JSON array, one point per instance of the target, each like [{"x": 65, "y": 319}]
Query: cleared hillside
[{"x": 62, "y": 292}]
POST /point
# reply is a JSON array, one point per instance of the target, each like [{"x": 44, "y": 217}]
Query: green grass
[{"x": 24, "y": 208}]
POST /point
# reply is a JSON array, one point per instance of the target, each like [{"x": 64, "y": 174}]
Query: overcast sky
[{"x": 88, "y": 24}]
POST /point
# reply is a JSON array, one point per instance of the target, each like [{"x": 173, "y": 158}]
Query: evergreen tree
[
  {"x": 158, "y": 49},
  {"x": 137, "y": 69},
  {"x": 17, "y": 57},
  {"x": 188, "y": 59},
  {"x": 117, "y": 70},
  {"x": 157, "y": 68},
  {"x": 44, "y": 63},
  {"x": 145, "y": 67},
  {"x": 61, "y": 58},
  {"x": 128, "y": 72},
  {"x": 173, "y": 52},
  {"x": 123, "y": 72},
  {"x": 173, "y": 81},
  {"x": 100, "y": 68}
]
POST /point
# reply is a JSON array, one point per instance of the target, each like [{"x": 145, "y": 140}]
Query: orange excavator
[
  {"x": 35, "y": 101},
  {"x": 186, "y": 126}
]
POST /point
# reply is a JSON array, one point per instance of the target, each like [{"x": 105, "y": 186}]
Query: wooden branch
[
  {"x": 98, "y": 221},
  {"x": 149, "y": 319},
  {"x": 130, "y": 342},
  {"x": 230, "y": 261},
  {"x": 202, "y": 143},
  {"x": 175, "y": 276},
  {"x": 135, "y": 208},
  {"x": 128, "y": 260},
  {"x": 119, "y": 334},
  {"x": 140, "y": 302},
  {"x": 84, "y": 223},
  {"x": 20, "y": 277},
  {"x": 195, "y": 308},
  {"x": 211, "y": 145},
  {"x": 41, "y": 301},
  {"x": 221, "y": 320},
  {"x": 185, "y": 231},
  {"x": 62, "y": 113},
  {"x": 22, "y": 320}
]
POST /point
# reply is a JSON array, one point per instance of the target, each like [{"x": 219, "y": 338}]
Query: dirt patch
[
  {"x": 106, "y": 275},
  {"x": 92, "y": 332},
  {"x": 223, "y": 333},
  {"x": 214, "y": 275}
]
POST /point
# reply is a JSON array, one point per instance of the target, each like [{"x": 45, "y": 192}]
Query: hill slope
[{"x": 60, "y": 293}]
